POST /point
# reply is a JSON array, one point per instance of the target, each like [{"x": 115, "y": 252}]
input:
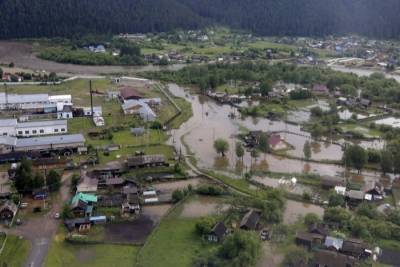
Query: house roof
[
  {"x": 320, "y": 88},
  {"x": 274, "y": 139},
  {"x": 84, "y": 198},
  {"x": 128, "y": 189},
  {"x": 9, "y": 205},
  {"x": 49, "y": 140},
  {"x": 332, "y": 259},
  {"x": 219, "y": 230},
  {"x": 250, "y": 219},
  {"x": 50, "y": 123},
  {"x": 317, "y": 228},
  {"x": 8, "y": 140},
  {"x": 8, "y": 122},
  {"x": 23, "y": 98},
  {"x": 310, "y": 237},
  {"x": 373, "y": 186},
  {"x": 333, "y": 242},
  {"x": 353, "y": 246},
  {"x": 355, "y": 194},
  {"x": 130, "y": 93}
]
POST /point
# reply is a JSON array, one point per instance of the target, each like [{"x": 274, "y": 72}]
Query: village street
[{"x": 40, "y": 230}]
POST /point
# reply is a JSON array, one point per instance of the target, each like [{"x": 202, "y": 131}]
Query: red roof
[
  {"x": 274, "y": 139},
  {"x": 130, "y": 93},
  {"x": 320, "y": 88}
]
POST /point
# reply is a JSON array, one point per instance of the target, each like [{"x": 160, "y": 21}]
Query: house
[
  {"x": 252, "y": 139},
  {"x": 64, "y": 99},
  {"x": 354, "y": 197},
  {"x": 146, "y": 161},
  {"x": 8, "y": 210},
  {"x": 131, "y": 203},
  {"x": 97, "y": 111},
  {"x": 329, "y": 182},
  {"x": 250, "y": 220},
  {"x": 110, "y": 170},
  {"x": 129, "y": 93},
  {"x": 320, "y": 89},
  {"x": 82, "y": 204},
  {"x": 40, "y": 193},
  {"x": 374, "y": 189},
  {"x": 309, "y": 240},
  {"x": 217, "y": 233},
  {"x": 39, "y": 128},
  {"x": 365, "y": 103},
  {"x": 87, "y": 184},
  {"x": 64, "y": 111},
  {"x": 82, "y": 225},
  {"x": 355, "y": 248},
  {"x": 333, "y": 243},
  {"x": 67, "y": 143},
  {"x": 390, "y": 257},
  {"x": 325, "y": 258},
  {"x": 276, "y": 142},
  {"x": 7, "y": 127}
]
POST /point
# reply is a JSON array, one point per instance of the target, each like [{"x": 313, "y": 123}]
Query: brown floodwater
[
  {"x": 298, "y": 189},
  {"x": 171, "y": 186},
  {"x": 295, "y": 209},
  {"x": 200, "y": 206},
  {"x": 210, "y": 121}
]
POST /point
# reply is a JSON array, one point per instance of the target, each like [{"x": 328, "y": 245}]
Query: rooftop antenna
[{"x": 91, "y": 97}]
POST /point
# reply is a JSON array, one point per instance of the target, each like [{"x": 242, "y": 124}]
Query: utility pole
[{"x": 91, "y": 96}]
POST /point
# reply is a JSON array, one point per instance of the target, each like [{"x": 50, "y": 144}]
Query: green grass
[
  {"x": 15, "y": 252},
  {"x": 173, "y": 244},
  {"x": 186, "y": 114},
  {"x": 62, "y": 254},
  {"x": 361, "y": 129}
]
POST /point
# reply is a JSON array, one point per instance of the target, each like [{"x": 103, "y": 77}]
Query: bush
[
  {"x": 204, "y": 225},
  {"x": 210, "y": 190},
  {"x": 311, "y": 219},
  {"x": 177, "y": 195}
]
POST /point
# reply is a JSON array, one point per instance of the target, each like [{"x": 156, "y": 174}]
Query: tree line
[{"x": 25, "y": 18}]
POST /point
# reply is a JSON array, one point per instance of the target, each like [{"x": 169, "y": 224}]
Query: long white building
[
  {"x": 11, "y": 127},
  {"x": 35, "y": 102}
]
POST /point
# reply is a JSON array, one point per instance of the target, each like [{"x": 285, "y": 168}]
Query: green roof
[{"x": 84, "y": 197}]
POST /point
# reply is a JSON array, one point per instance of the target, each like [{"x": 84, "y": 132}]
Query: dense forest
[{"x": 26, "y": 18}]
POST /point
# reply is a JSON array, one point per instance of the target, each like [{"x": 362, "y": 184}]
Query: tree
[
  {"x": 396, "y": 162},
  {"x": 37, "y": 181},
  {"x": 240, "y": 249},
  {"x": 1, "y": 73},
  {"x": 265, "y": 87},
  {"x": 335, "y": 199},
  {"x": 386, "y": 161},
  {"x": 74, "y": 182},
  {"x": 221, "y": 146},
  {"x": 263, "y": 143},
  {"x": 205, "y": 224},
  {"x": 338, "y": 215},
  {"x": 177, "y": 195},
  {"x": 311, "y": 219},
  {"x": 307, "y": 150},
  {"x": 254, "y": 154},
  {"x": 355, "y": 156},
  {"x": 296, "y": 256},
  {"x": 316, "y": 131},
  {"x": 239, "y": 150},
  {"x": 23, "y": 177},
  {"x": 53, "y": 180}
]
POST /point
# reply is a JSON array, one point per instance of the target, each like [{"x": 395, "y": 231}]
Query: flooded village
[{"x": 164, "y": 166}]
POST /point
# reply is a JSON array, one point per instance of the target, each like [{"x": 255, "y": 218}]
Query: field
[
  {"x": 173, "y": 244},
  {"x": 62, "y": 253},
  {"x": 15, "y": 252}
]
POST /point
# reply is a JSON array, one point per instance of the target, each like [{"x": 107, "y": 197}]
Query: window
[
  {"x": 62, "y": 130},
  {"x": 27, "y": 132},
  {"x": 34, "y": 131},
  {"x": 56, "y": 130},
  {"x": 5, "y": 134},
  {"x": 67, "y": 116},
  {"x": 41, "y": 131},
  {"x": 19, "y": 132}
]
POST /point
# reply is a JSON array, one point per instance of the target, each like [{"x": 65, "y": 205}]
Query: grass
[
  {"x": 361, "y": 129},
  {"x": 15, "y": 252},
  {"x": 62, "y": 254},
  {"x": 173, "y": 244}
]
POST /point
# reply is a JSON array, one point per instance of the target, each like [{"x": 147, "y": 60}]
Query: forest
[{"x": 50, "y": 18}]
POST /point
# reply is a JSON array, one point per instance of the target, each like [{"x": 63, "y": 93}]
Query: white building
[
  {"x": 64, "y": 111},
  {"x": 66, "y": 99},
  {"x": 7, "y": 127},
  {"x": 39, "y": 128},
  {"x": 38, "y": 102},
  {"x": 140, "y": 108},
  {"x": 97, "y": 111}
]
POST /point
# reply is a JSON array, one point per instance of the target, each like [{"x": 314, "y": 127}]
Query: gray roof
[
  {"x": 25, "y": 98},
  {"x": 30, "y": 124},
  {"x": 48, "y": 140},
  {"x": 336, "y": 243},
  {"x": 8, "y": 122},
  {"x": 8, "y": 140}
]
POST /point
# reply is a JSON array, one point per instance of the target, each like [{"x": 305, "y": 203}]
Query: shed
[
  {"x": 325, "y": 258},
  {"x": 129, "y": 93},
  {"x": 333, "y": 243},
  {"x": 217, "y": 233},
  {"x": 250, "y": 220}
]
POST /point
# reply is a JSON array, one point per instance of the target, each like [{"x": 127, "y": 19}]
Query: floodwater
[
  {"x": 155, "y": 212},
  {"x": 363, "y": 72},
  {"x": 210, "y": 121},
  {"x": 295, "y": 209},
  {"x": 171, "y": 186},
  {"x": 200, "y": 206},
  {"x": 297, "y": 189}
]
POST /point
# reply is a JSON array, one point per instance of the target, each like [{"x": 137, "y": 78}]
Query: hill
[{"x": 26, "y": 18}]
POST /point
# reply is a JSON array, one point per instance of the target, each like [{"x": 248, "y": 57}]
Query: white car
[{"x": 57, "y": 216}]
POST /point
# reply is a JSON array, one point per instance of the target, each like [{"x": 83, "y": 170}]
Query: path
[{"x": 40, "y": 231}]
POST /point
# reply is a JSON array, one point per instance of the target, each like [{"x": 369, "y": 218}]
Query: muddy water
[
  {"x": 200, "y": 206},
  {"x": 171, "y": 186},
  {"x": 155, "y": 212},
  {"x": 210, "y": 121},
  {"x": 296, "y": 209},
  {"x": 297, "y": 189}
]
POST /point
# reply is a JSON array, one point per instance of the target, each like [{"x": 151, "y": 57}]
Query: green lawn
[
  {"x": 174, "y": 244},
  {"x": 62, "y": 254},
  {"x": 15, "y": 252}
]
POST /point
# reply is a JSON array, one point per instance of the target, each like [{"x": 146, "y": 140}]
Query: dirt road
[{"x": 40, "y": 231}]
